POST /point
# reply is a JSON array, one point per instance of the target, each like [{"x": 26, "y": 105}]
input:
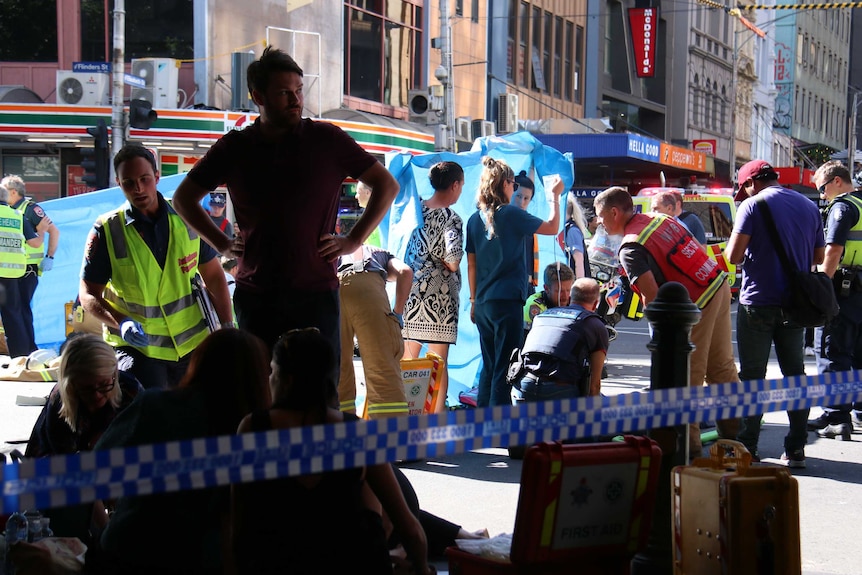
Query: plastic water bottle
[
  {"x": 34, "y": 525},
  {"x": 46, "y": 528},
  {"x": 16, "y": 530}
]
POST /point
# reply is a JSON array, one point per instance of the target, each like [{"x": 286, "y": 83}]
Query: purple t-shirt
[
  {"x": 285, "y": 195},
  {"x": 800, "y": 229}
]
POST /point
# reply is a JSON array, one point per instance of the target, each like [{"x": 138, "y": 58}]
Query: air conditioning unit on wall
[
  {"x": 463, "y": 129},
  {"x": 83, "y": 88},
  {"x": 162, "y": 78},
  {"x": 482, "y": 128},
  {"x": 507, "y": 113}
]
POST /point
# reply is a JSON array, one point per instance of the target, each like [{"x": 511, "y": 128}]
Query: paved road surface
[{"x": 480, "y": 489}]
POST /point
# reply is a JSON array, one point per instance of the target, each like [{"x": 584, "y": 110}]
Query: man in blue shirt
[{"x": 760, "y": 322}]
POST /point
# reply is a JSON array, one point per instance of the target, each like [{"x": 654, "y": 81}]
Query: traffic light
[
  {"x": 96, "y": 159},
  {"x": 141, "y": 114}
]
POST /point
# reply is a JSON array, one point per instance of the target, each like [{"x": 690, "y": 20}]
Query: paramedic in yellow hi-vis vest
[
  {"x": 137, "y": 274},
  {"x": 657, "y": 249},
  {"x": 37, "y": 260},
  {"x": 16, "y": 233}
]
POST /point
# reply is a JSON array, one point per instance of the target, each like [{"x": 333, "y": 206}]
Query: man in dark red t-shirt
[{"x": 284, "y": 176}]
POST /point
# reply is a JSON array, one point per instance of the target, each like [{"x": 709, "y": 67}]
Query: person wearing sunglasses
[{"x": 496, "y": 268}]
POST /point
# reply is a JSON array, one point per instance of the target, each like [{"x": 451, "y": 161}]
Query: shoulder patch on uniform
[
  {"x": 38, "y": 211},
  {"x": 90, "y": 247}
]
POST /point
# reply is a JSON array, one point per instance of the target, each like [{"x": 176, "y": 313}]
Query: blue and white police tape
[{"x": 175, "y": 466}]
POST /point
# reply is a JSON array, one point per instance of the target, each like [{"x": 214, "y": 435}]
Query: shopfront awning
[
  {"x": 630, "y": 160},
  {"x": 19, "y": 95}
]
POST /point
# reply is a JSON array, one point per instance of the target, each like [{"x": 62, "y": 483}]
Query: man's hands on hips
[{"x": 331, "y": 246}]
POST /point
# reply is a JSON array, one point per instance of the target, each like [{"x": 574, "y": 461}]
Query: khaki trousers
[
  {"x": 712, "y": 360},
  {"x": 366, "y": 313}
]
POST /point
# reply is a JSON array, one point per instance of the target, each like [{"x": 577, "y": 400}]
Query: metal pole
[
  {"x": 851, "y": 142},
  {"x": 118, "y": 115},
  {"x": 446, "y": 64},
  {"x": 734, "y": 57},
  {"x": 670, "y": 316}
]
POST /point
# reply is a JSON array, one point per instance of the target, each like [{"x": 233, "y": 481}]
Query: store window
[
  {"x": 28, "y": 31},
  {"x": 384, "y": 49},
  {"x": 41, "y": 174}
]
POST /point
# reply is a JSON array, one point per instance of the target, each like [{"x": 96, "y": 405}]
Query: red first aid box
[
  {"x": 731, "y": 516},
  {"x": 587, "y": 506}
]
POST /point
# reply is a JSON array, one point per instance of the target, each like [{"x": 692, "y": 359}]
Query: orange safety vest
[{"x": 678, "y": 255}]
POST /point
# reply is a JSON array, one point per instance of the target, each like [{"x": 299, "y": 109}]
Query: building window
[
  {"x": 511, "y": 42},
  {"x": 796, "y": 106},
  {"x": 459, "y": 7},
  {"x": 812, "y": 58},
  {"x": 616, "y": 67},
  {"x": 546, "y": 52},
  {"x": 568, "y": 71},
  {"x": 695, "y": 101},
  {"x": 715, "y": 105},
  {"x": 558, "y": 57},
  {"x": 707, "y": 106},
  {"x": 579, "y": 59},
  {"x": 474, "y": 10},
  {"x": 384, "y": 51},
  {"x": 536, "y": 43},
  {"x": 524, "y": 20}
]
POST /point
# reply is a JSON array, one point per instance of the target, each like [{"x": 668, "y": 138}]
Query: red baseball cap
[{"x": 753, "y": 170}]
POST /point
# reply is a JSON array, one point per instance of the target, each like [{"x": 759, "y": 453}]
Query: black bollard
[{"x": 671, "y": 316}]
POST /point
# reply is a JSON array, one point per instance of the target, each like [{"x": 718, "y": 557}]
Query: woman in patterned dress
[{"x": 434, "y": 253}]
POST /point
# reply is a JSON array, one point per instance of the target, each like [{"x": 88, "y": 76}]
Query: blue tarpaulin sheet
[{"x": 75, "y": 215}]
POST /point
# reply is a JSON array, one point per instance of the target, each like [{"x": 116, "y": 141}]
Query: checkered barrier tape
[{"x": 67, "y": 480}]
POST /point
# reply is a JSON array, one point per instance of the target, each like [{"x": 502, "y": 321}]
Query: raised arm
[
  {"x": 551, "y": 226},
  {"x": 186, "y": 202}
]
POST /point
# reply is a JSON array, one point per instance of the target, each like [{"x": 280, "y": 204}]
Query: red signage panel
[
  {"x": 705, "y": 146},
  {"x": 644, "y": 25}
]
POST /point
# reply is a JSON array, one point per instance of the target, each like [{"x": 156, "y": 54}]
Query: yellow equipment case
[{"x": 734, "y": 518}]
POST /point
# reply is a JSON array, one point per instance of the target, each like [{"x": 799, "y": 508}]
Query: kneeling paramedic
[{"x": 565, "y": 350}]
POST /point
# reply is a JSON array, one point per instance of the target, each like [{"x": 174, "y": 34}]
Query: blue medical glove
[
  {"x": 400, "y": 318},
  {"x": 47, "y": 264},
  {"x": 133, "y": 333}
]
